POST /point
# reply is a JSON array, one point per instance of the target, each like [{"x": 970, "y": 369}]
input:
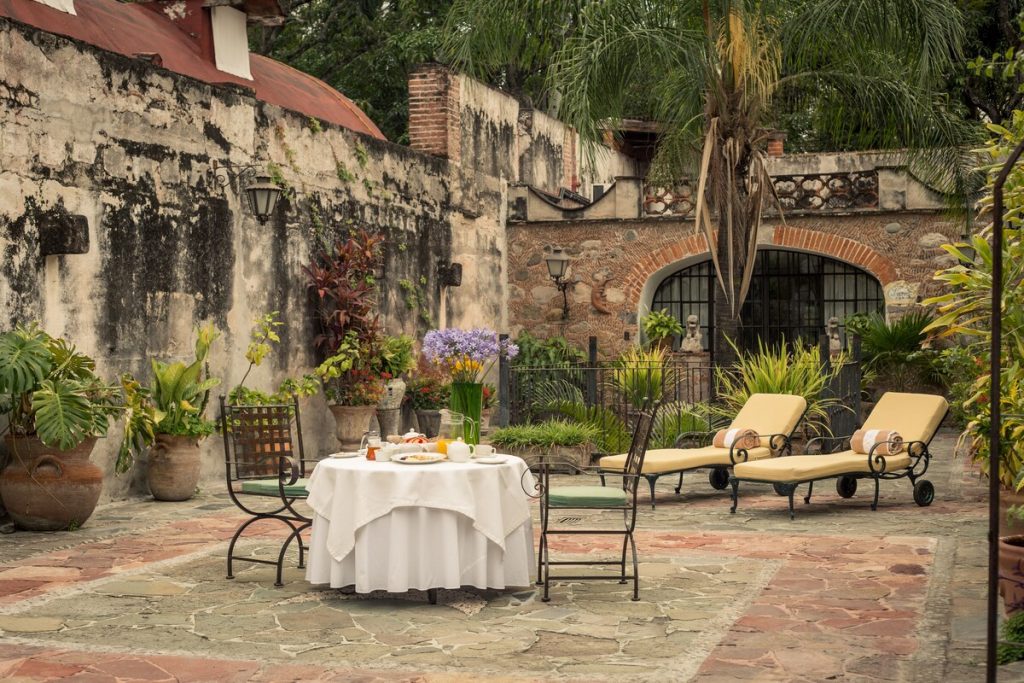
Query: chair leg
[
  {"x": 810, "y": 488},
  {"x": 547, "y": 576},
  {"x": 297, "y": 533},
  {"x": 792, "y": 491},
  {"x": 651, "y": 481},
  {"x": 636, "y": 569},
  {"x": 735, "y": 483},
  {"x": 602, "y": 478},
  {"x": 432, "y": 596},
  {"x": 234, "y": 539},
  {"x": 540, "y": 556},
  {"x": 622, "y": 566},
  {"x": 679, "y": 486},
  {"x": 874, "y": 503}
]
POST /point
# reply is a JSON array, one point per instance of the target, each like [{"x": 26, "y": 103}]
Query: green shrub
[
  {"x": 892, "y": 352},
  {"x": 658, "y": 325},
  {"x": 1013, "y": 632},
  {"x": 547, "y": 434}
]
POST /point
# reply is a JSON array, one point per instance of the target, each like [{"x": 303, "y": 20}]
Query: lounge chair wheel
[
  {"x": 781, "y": 489},
  {"x": 719, "y": 478},
  {"x": 924, "y": 492},
  {"x": 846, "y": 486}
]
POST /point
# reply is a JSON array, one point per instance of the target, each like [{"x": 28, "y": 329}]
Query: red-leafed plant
[{"x": 342, "y": 282}]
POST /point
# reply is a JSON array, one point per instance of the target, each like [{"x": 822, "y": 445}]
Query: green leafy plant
[
  {"x": 1012, "y": 650},
  {"x": 547, "y": 434},
  {"x": 779, "y": 370},
  {"x": 641, "y": 375},
  {"x": 181, "y": 392},
  {"x": 51, "y": 390},
  {"x": 347, "y": 376},
  {"x": 427, "y": 391},
  {"x": 392, "y": 356},
  {"x": 261, "y": 340},
  {"x": 659, "y": 325},
  {"x": 895, "y": 353}
]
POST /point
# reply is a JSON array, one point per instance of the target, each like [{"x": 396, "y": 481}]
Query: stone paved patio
[{"x": 841, "y": 593}]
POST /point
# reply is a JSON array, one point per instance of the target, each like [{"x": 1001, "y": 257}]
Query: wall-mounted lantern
[
  {"x": 260, "y": 193},
  {"x": 558, "y": 264}
]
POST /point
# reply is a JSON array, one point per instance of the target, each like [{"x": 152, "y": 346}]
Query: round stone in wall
[
  {"x": 534, "y": 260},
  {"x": 893, "y": 228},
  {"x": 933, "y": 240},
  {"x": 630, "y": 236}
]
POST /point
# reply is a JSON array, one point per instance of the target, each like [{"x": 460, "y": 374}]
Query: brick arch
[{"x": 841, "y": 248}]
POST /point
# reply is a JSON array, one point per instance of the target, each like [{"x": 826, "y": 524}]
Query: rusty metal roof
[{"x": 140, "y": 32}]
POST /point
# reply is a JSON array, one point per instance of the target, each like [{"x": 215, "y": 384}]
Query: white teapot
[{"x": 459, "y": 451}]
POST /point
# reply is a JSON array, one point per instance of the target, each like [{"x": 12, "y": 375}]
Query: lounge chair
[
  {"x": 773, "y": 416},
  {"x": 916, "y": 417}
]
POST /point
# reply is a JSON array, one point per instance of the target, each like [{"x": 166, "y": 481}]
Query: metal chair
[
  {"x": 260, "y": 464},
  {"x": 610, "y": 498}
]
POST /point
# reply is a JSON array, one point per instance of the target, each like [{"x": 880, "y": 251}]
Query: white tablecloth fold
[{"x": 352, "y": 492}]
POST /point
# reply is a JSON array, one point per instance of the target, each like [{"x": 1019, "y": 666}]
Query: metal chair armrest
[
  {"x": 836, "y": 444},
  {"x": 877, "y": 460},
  {"x": 701, "y": 437}
]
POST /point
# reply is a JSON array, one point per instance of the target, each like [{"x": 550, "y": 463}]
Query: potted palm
[
  {"x": 661, "y": 329},
  {"x": 179, "y": 394},
  {"x": 56, "y": 406},
  {"x": 352, "y": 388}
]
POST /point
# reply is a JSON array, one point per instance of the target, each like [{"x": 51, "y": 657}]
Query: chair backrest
[
  {"x": 258, "y": 441},
  {"x": 770, "y": 414},
  {"x": 638, "y": 448},
  {"x": 915, "y": 416}
]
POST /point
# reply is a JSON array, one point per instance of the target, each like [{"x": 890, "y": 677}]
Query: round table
[{"x": 395, "y": 527}]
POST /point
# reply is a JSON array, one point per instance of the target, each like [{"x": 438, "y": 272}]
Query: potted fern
[
  {"x": 661, "y": 329},
  {"x": 56, "y": 406}
]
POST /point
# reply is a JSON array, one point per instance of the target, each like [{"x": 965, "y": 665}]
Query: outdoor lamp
[
  {"x": 262, "y": 196},
  {"x": 558, "y": 263}
]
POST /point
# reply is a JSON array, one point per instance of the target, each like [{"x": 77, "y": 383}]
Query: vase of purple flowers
[{"x": 466, "y": 356}]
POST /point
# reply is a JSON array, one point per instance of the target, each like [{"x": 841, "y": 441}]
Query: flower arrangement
[
  {"x": 427, "y": 392},
  {"x": 466, "y": 355}
]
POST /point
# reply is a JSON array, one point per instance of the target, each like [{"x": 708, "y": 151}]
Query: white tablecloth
[{"x": 388, "y": 526}]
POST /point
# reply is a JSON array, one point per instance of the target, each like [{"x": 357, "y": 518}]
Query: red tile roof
[{"x": 136, "y": 30}]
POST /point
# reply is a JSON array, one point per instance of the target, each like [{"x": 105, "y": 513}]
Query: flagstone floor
[{"x": 841, "y": 593}]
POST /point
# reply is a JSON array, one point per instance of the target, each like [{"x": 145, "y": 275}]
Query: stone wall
[
  {"x": 112, "y": 233},
  {"x": 617, "y": 264},
  {"x": 491, "y": 132}
]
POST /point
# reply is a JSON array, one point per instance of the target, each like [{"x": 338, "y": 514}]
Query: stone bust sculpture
[
  {"x": 835, "y": 341},
  {"x": 692, "y": 341}
]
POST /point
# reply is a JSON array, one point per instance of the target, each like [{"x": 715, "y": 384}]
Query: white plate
[
  {"x": 421, "y": 458},
  {"x": 490, "y": 460},
  {"x": 349, "y": 454}
]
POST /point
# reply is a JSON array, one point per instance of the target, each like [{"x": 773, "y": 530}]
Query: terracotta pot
[
  {"x": 46, "y": 489},
  {"x": 1010, "y": 526},
  {"x": 1011, "y": 573},
  {"x": 429, "y": 422},
  {"x": 173, "y": 472},
  {"x": 351, "y": 422}
]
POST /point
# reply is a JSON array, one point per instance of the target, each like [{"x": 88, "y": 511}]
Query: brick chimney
[
  {"x": 434, "y": 111},
  {"x": 776, "y": 143}
]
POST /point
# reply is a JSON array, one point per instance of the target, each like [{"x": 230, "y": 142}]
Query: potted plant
[
  {"x": 56, "y": 406},
  {"x": 661, "y": 328},
  {"x": 353, "y": 390},
  {"x": 179, "y": 394},
  {"x": 572, "y": 441},
  {"x": 392, "y": 358},
  {"x": 466, "y": 356},
  {"x": 427, "y": 394}
]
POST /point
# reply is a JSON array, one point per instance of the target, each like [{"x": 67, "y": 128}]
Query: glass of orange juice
[{"x": 442, "y": 446}]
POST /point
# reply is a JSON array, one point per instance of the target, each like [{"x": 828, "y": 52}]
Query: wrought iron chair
[
  {"x": 610, "y": 498},
  {"x": 260, "y": 464}
]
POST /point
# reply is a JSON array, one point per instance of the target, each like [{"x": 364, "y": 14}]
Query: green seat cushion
[
  {"x": 271, "y": 487},
  {"x": 586, "y": 496}
]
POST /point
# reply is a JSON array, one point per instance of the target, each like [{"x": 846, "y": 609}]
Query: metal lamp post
[{"x": 558, "y": 264}]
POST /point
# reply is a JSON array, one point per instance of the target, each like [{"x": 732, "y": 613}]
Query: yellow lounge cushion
[
  {"x": 915, "y": 416},
  {"x": 586, "y": 497},
  {"x": 663, "y": 460},
  {"x": 770, "y": 414},
  {"x": 795, "y": 468}
]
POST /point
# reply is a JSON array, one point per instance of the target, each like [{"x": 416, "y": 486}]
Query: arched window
[{"x": 792, "y": 296}]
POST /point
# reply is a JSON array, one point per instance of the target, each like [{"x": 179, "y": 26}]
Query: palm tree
[{"x": 716, "y": 75}]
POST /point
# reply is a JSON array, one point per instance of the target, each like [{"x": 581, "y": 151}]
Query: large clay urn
[
  {"x": 173, "y": 472},
  {"x": 1011, "y": 573},
  {"x": 47, "y": 489},
  {"x": 350, "y": 423}
]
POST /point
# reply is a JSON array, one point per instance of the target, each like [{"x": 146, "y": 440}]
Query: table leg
[{"x": 432, "y": 595}]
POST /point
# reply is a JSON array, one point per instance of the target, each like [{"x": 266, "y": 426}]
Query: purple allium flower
[{"x": 465, "y": 353}]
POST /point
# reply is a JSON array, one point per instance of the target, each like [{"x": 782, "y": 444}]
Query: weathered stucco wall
[
  {"x": 109, "y": 156},
  {"x": 627, "y": 259}
]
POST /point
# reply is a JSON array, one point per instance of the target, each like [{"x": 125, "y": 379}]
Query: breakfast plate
[
  {"x": 344, "y": 454},
  {"x": 490, "y": 460},
  {"x": 418, "y": 458}
]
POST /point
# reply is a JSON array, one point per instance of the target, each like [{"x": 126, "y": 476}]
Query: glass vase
[{"x": 467, "y": 398}]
